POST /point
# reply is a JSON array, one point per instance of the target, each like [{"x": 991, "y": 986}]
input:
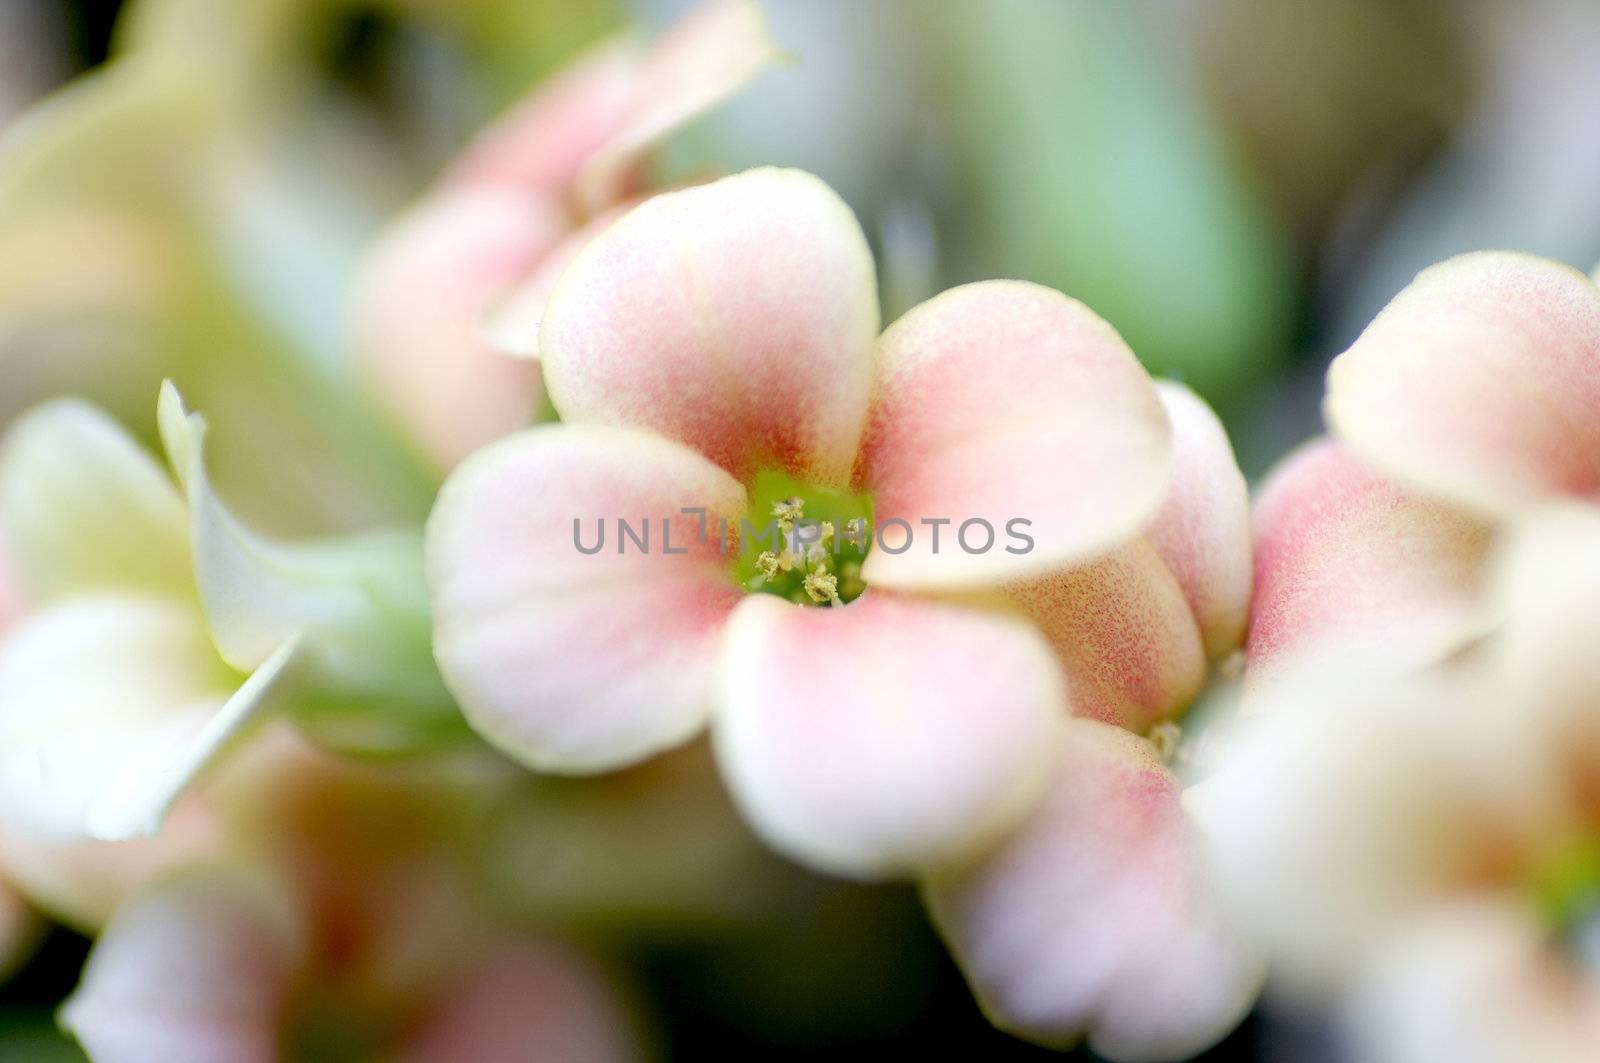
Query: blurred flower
[
  {"x": 1099, "y": 915},
  {"x": 1346, "y": 561},
  {"x": 1424, "y": 850},
  {"x": 1468, "y": 403},
  {"x": 1475, "y": 384},
  {"x": 502, "y": 217},
  {"x": 336, "y": 924},
  {"x": 123, "y": 262},
  {"x": 98, "y": 537},
  {"x": 715, "y": 360},
  {"x": 1410, "y": 819},
  {"x": 191, "y": 622}
]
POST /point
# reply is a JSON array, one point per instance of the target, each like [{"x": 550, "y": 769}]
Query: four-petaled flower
[{"x": 958, "y": 714}]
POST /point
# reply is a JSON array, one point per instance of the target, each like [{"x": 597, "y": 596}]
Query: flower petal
[
  {"x": 81, "y": 883},
  {"x": 512, "y": 326},
  {"x": 1006, "y": 401},
  {"x": 1547, "y": 589},
  {"x": 544, "y": 141},
  {"x": 709, "y": 55},
  {"x": 1203, "y": 529},
  {"x": 84, "y": 507},
  {"x": 737, "y": 317},
  {"x": 1097, "y": 916},
  {"x": 1123, "y": 632},
  {"x": 1345, "y": 560},
  {"x": 104, "y": 751},
  {"x": 569, "y": 661},
  {"x": 531, "y": 993},
  {"x": 355, "y": 604},
  {"x": 884, "y": 736},
  {"x": 196, "y": 969},
  {"x": 1474, "y": 982},
  {"x": 1356, "y": 796},
  {"x": 1479, "y": 383},
  {"x": 426, "y": 289},
  {"x": 259, "y": 594}
]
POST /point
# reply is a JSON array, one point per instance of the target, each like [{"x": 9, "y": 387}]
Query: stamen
[
  {"x": 813, "y": 561},
  {"x": 767, "y": 562},
  {"x": 788, "y": 511},
  {"x": 822, "y": 586}
]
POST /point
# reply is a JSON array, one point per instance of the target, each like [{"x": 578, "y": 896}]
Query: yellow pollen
[
  {"x": 822, "y": 586},
  {"x": 768, "y": 564},
  {"x": 788, "y": 511}
]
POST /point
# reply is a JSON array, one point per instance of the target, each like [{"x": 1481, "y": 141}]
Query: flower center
[{"x": 803, "y": 542}]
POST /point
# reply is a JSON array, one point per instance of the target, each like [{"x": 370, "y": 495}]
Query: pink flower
[
  {"x": 1421, "y": 852},
  {"x": 957, "y": 713},
  {"x": 1477, "y": 384},
  {"x": 1410, "y": 823},
  {"x": 1468, "y": 403},
  {"x": 501, "y": 217},
  {"x": 1348, "y": 561},
  {"x": 339, "y": 910}
]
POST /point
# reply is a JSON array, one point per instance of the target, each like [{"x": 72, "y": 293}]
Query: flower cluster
[
  {"x": 969, "y": 602},
  {"x": 1410, "y": 817}
]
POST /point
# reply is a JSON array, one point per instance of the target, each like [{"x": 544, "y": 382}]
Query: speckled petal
[
  {"x": 1480, "y": 382},
  {"x": 1097, "y": 918},
  {"x": 1004, "y": 401},
  {"x": 568, "y": 660}
]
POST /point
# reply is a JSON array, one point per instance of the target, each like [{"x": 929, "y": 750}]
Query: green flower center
[{"x": 803, "y": 542}]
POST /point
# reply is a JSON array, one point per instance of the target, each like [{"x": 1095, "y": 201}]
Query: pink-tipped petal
[
  {"x": 1124, "y": 634},
  {"x": 572, "y": 661},
  {"x": 1480, "y": 382},
  {"x": 196, "y": 969},
  {"x": 1005, "y": 401},
  {"x": 1346, "y": 561},
  {"x": 1097, "y": 917},
  {"x": 428, "y": 288},
  {"x": 543, "y": 143},
  {"x": 737, "y": 317},
  {"x": 1203, "y": 529},
  {"x": 707, "y": 57},
  {"x": 885, "y": 736},
  {"x": 529, "y": 1001}
]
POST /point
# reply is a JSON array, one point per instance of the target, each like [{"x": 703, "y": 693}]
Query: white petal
[
  {"x": 83, "y": 506},
  {"x": 110, "y": 706}
]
